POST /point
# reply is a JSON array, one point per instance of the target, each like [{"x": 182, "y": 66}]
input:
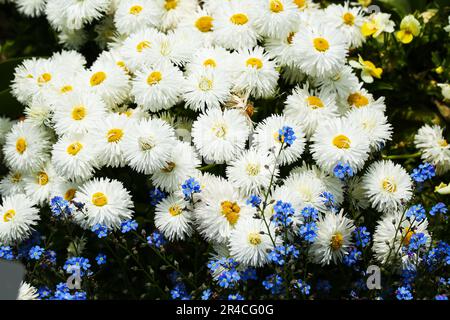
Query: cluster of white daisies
[{"x": 218, "y": 59}]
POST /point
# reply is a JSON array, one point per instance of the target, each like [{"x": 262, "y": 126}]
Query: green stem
[{"x": 402, "y": 156}]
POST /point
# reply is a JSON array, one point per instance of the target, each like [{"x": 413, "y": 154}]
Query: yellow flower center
[
  {"x": 407, "y": 234},
  {"x": 169, "y": 167},
  {"x": 443, "y": 143},
  {"x": 78, "y": 112},
  {"x": 358, "y": 100},
  {"x": 97, "y": 78},
  {"x": 205, "y": 84},
  {"x": 300, "y": 3},
  {"x": 175, "y": 210},
  {"x": 114, "y": 135},
  {"x": 9, "y": 215},
  {"x": 389, "y": 185},
  {"x": 321, "y": 44},
  {"x": 219, "y": 130},
  {"x": 21, "y": 145},
  {"x": 16, "y": 177},
  {"x": 74, "y": 148},
  {"x": 337, "y": 240},
  {"x": 99, "y": 199},
  {"x": 290, "y": 37},
  {"x": 44, "y": 78},
  {"x": 171, "y": 4},
  {"x": 276, "y": 6},
  {"x": 341, "y": 141},
  {"x": 146, "y": 143},
  {"x": 66, "y": 89},
  {"x": 349, "y": 18},
  {"x": 210, "y": 63},
  {"x": 231, "y": 211},
  {"x": 142, "y": 45},
  {"x": 42, "y": 178},
  {"x": 70, "y": 194},
  {"x": 252, "y": 169},
  {"x": 315, "y": 102},
  {"x": 135, "y": 10},
  {"x": 239, "y": 19},
  {"x": 254, "y": 238},
  {"x": 204, "y": 24},
  {"x": 254, "y": 63},
  {"x": 154, "y": 78}
]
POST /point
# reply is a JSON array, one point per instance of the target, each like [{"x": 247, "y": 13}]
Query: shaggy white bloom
[
  {"x": 174, "y": 11},
  {"x": 334, "y": 238},
  {"x": 135, "y": 50},
  {"x": 341, "y": 83},
  {"x": 148, "y": 146},
  {"x": 38, "y": 185},
  {"x": 388, "y": 186},
  {"x": 339, "y": 140},
  {"x": 39, "y": 111},
  {"x": 321, "y": 51},
  {"x": 310, "y": 107},
  {"x": 250, "y": 242},
  {"x": 65, "y": 189},
  {"x": 27, "y": 292},
  {"x": 221, "y": 210},
  {"x": 181, "y": 165},
  {"x": 220, "y": 136},
  {"x": 26, "y": 147},
  {"x": 199, "y": 24},
  {"x": 13, "y": 183},
  {"x": 267, "y": 139},
  {"x": 206, "y": 88},
  {"x": 77, "y": 13},
  {"x": 31, "y": 8},
  {"x": 158, "y": 87},
  {"x": 18, "y": 216},
  {"x": 78, "y": 112},
  {"x": 282, "y": 49},
  {"x": 435, "y": 149},
  {"x": 255, "y": 73},
  {"x": 393, "y": 232},
  {"x": 275, "y": 18},
  {"x": 306, "y": 189},
  {"x": 133, "y": 15},
  {"x": 173, "y": 219},
  {"x": 360, "y": 98},
  {"x": 234, "y": 25},
  {"x": 210, "y": 57},
  {"x": 106, "y": 202},
  {"x": 109, "y": 139},
  {"x": 251, "y": 171},
  {"x": 374, "y": 124},
  {"x": 74, "y": 157}
]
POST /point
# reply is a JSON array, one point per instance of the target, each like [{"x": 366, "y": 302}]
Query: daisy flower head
[
  {"x": 251, "y": 171},
  {"x": 339, "y": 140},
  {"x": 26, "y": 147},
  {"x": 374, "y": 123},
  {"x": 78, "y": 113},
  {"x": 250, "y": 242},
  {"x": 215, "y": 57},
  {"x": 173, "y": 219},
  {"x": 157, "y": 87},
  {"x": 31, "y": 8},
  {"x": 206, "y": 88},
  {"x": 361, "y": 98},
  {"x": 234, "y": 25},
  {"x": 334, "y": 238},
  {"x": 74, "y": 157},
  {"x": 38, "y": 185},
  {"x": 39, "y": 111},
  {"x": 200, "y": 24},
  {"x": 18, "y": 216},
  {"x": 135, "y": 50},
  {"x": 106, "y": 202},
  {"x": 148, "y": 146},
  {"x": 255, "y": 73},
  {"x": 220, "y": 135},
  {"x": 306, "y": 189},
  {"x": 341, "y": 83},
  {"x": 27, "y": 291},
  {"x": 321, "y": 51},
  {"x": 12, "y": 183},
  {"x": 64, "y": 189},
  {"x": 175, "y": 11},
  {"x": 132, "y": 15},
  {"x": 434, "y": 147},
  {"x": 310, "y": 107},
  {"x": 109, "y": 139},
  {"x": 181, "y": 165},
  {"x": 77, "y": 13},
  {"x": 387, "y": 185},
  {"x": 275, "y": 18},
  {"x": 267, "y": 139}
]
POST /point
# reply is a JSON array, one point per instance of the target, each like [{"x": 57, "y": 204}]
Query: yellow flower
[
  {"x": 368, "y": 69},
  {"x": 365, "y": 3},
  {"x": 377, "y": 24},
  {"x": 409, "y": 28},
  {"x": 442, "y": 188}
]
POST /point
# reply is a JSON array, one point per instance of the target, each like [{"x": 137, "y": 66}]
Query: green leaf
[
  {"x": 7, "y": 71},
  {"x": 402, "y": 7},
  {"x": 9, "y": 106}
]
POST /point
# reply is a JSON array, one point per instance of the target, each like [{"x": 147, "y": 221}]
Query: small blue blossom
[
  {"x": 235, "y": 296},
  {"x": 282, "y": 253},
  {"x": 50, "y": 256},
  {"x": 249, "y": 274},
  {"x": 417, "y": 241},
  {"x": 156, "y": 239},
  {"x": 416, "y": 212},
  {"x": 274, "y": 283},
  {"x": 303, "y": 287},
  {"x": 6, "y": 253},
  {"x": 44, "y": 293},
  {"x": 254, "y": 201},
  {"x": 228, "y": 276},
  {"x": 441, "y": 297},
  {"x": 189, "y": 187},
  {"x": 101, "y": 259},
  {"x": 308, "y": 231},
  {"x": 36, "y": 252},
  {"x": 343, "y": 171},
  {"x": 362, "y": 236},
  {"x": 100, "y": 230},
  {"x": 78, "y": 263},
  {"x": 353, "y": 256},
  {"x": 283, "y": 213},
  {"x": 438, "y": 208},
  {"x": 328, "y": 200},
  {"x": 309, "y": 212},
  {"x": 179, "y": 292},
  {"x": 424, "y": 172},
  {"x": 156, "y": 195},
  {"x": 60, "y": 207},
  {"x": 403, "y": 293},
  {"x": 206, "y": 294},
  {"x": 128, "y": 225},
  {"x": 286, "y": 135}
]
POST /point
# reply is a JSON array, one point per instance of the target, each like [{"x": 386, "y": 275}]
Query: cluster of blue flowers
[
  {"x": 423, "y": 172},
  {"x": 280, "y": 254},
  {"x": 286, "y": 135},
  {"x": 128, "y": 225},
  {"x": 308, "y": 230},
  {"x": 302, "y": 287},
  {"x": 189, "y": 187},
  {"x": 63, "y": 293},
  {"x": 438, "y": 208},
  {"x": 225, "y": 271},
  {"x": 156, "y": 239},
  {"x": 6, "y": 253},
  {"x": 274, "y": 283},
  {"x": 100, "y": 230},
  {"x": 283, "y": 213},
  {"x": 343, "y": 171},
  {"x": 362, "y": 236},
  {"x": 416, "y": 212},
  {"x": 78, "y": 263},
  {"x": 156, "y": 195},
  {"x": 254, "y": 201},
  {"x": 60, "y": 207}
]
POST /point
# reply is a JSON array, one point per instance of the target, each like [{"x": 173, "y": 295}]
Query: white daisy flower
[
  {"x": 157, "y": 87},
  {"x": 148, "y": 146},
  {"x": 220, "y": 135},
  {"x": 250, "y": 242},
  {"x": 334, "y": 238},
  {"x": 135, "y": 50},
  {"x": 306, "y": 189},
  {"x": 200, "y": 24},
  {"x": 65, "y": 189},
  {"x": 174, "y": 11},
  {"x": 339, "y": 140},
  {"x": 251, "y": 171},
  {"x": 77, "y": 13},
  {"x": 434, "y": 147},
  {"x": 275, "y": 18},
  {"x": 38, "y": 112},
  {"x": 310, "y": 107},
  {"x": 31, "y": 8},
  {"x": 27, "y": 291},
  {"x": 106, "y": 202},
  {"x": 133, "y": 15},
  {"x": 266, "y": 139},
  {"x": 74, "y": 157},
  {"x": 341, "y": 83},
  {"x": 388, "y": 186},
  {"x": 26, "y": 147},
  {"x": 181, "y": 165},
  {"x": 18, "y": 216},
  {"x": 13, "y": 183},
  {"x": 173, "y": 219},
  {"x": 255, "y": 73},
  {"x": 281, "y": 48},
  {"x": 210, "y": 57},
  {"x": 360, "y": 98},
  {"x": 38, "y": 185}
]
